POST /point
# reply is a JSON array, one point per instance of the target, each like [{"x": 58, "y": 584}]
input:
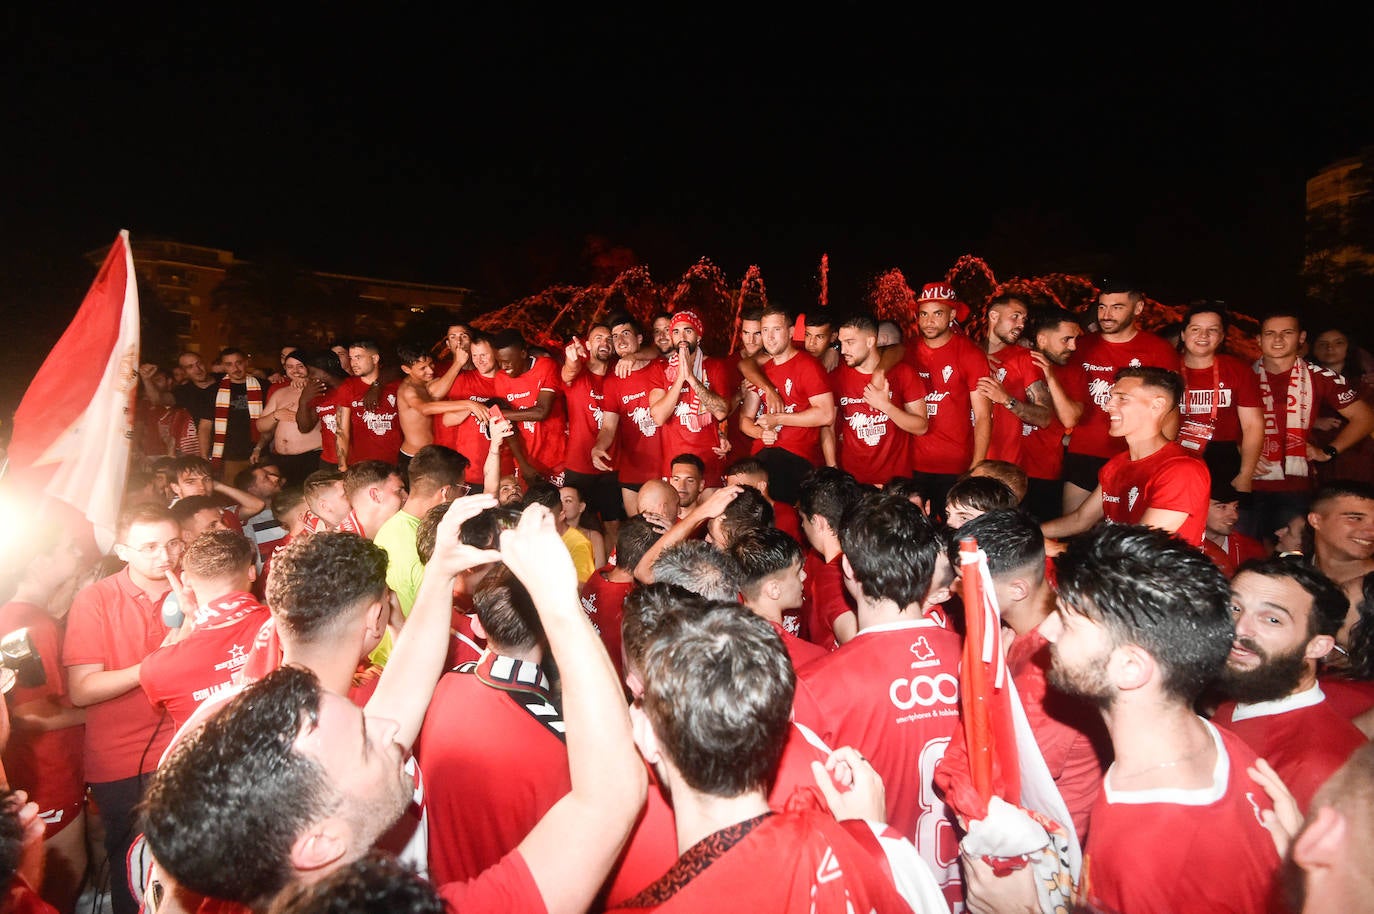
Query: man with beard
[
  {"x": 470, "y": 433},
  {"x": 1056, "y": 334},
  {"x": 586, "y": 368},
  {"x": 878, "y": 415},
  {"x": 1342, "y": 522},
  {"x": 365, "y": 419},
  {"x": 690, "y": 398},
  {"x": 1220, "y": 416},
  {"x": 1118, "y": 343},
  {"x": 1286, "y": 618},
  {"x": 1015, "y": 384},
  {"x": 629, "y": 442},
  {"x": 1143, "y": 624}
]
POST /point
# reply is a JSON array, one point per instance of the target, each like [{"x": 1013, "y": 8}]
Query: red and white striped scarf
[
  {"x": 1286, "y": 453},
  {"x": 222, "y": 401}
]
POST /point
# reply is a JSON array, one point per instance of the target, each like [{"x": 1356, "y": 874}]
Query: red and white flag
[{"x": 73, "y": 428}]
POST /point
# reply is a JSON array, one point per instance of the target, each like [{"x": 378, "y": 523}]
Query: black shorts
[
  {"x": 1082, "y": 470},
  {"x": 601, "y": 492}
]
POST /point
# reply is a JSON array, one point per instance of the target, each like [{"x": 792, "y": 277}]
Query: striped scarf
[{"x": 222, "y": 397}]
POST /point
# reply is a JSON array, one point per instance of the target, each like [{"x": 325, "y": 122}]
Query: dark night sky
[{"x": 482, "y": 152}]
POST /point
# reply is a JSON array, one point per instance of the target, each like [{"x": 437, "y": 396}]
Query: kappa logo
[
  {"x": 923, "y": 651},
  {"x": 1131, "y": 496},
  {"x": 946, "y": 372}
]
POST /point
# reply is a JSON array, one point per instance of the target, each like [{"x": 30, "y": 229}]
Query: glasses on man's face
[
  {"x": 170, "y": 547},
  {"x": 459, "y": 490}
]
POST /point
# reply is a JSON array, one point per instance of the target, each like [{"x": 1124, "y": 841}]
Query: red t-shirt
[
  {"x": 785, "y": 519},
  {"x": 585, "y": 398},
  {"x": 1329, "y": 393},
  {"x": 798, "y": 380},
  {"x": 892, "y": 692},
  {"x": 824, "y": 599},
  {"x": 1170, "y": 479},
  {"x": 1013, "y": 368},
  {"x": 602, "y": 600},
  {"x": 494, "y": 763},
  {"x": 114, "y": 623},
  {"x": 1042, "y": 450},
  {"x": 1162, "y": 851},
  {"x": 1239, "y": 549},
  {"x": 507, "y": 886},
  {"x": 1212, "y": 398},
  {"x": 795, "y": 862},
  {"x": 182, "y": 675},
  {"x": 376, "y": 433},
  {"x": 1070, "y": 732},
  {"x": 950, "y": 373},
  {"x": 799, "y": 651},
  {"x": 470, "y": 437},
  {"x": 1089, "y": 378},
  {"x": 872, "y": 447},
  {"x": 326, "y": 407},
  {"x": 691, "y": 429},
  {"x": 639, "y": 446},
  {"x": 1348, "y": 697},
  {"x": 1302, "y": 736},
  {"x": 46, "y": 763},
  {"x": 546, "y": 440}
]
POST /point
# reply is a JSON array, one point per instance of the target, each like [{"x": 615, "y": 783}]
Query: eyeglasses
[{"x": 459, "y": 490}]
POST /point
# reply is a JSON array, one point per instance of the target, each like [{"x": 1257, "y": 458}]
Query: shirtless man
[{"x": 417, "y": 397}]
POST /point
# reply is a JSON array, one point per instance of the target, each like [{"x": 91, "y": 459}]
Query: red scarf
[{"x": 223, "y": 397}]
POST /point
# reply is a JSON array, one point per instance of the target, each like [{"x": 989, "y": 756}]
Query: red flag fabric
[
  {"x": 72, "y": 430},
  {"x": 985, "y": 685}
]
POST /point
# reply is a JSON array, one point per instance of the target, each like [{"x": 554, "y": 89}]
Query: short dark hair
[
  {"x": 829, "y": 492},
  {"x": 190, "y": 463},
  {"x": 718, "y": 690},
  {"x": 1329, "y": 604},
  {"x": 861, "y": 321},
  {"x": 1151, "y": 589},
  {"x": 1046, "y": 319},
  {"x": 699, "y": 567},
  {"x": 751, "y": 313},
  {"x": 618, "y": 318},
  {"x": 435, "y": 466},
  {"x": 188, "y": 507},
  {"x": 544, "y": 493},
  {"x": 773, "y": 308},
  {"x": 1274, "y": 313},
  {"x": 286, "y": 501},
  {"x": 1011, "y": 539},
  {"x": 762, "y": 553},
  {"x": 1162, "y": 379},
  {"x": 891, "y": 547},
  {"x": 749, "y": 510},
  {"x": 906, "y": 487},
  {"x": 318, "y": 481},
  {"x": 217, "y": 553},
  {"x": 482, "y": 531},
  {"x": 507, "y": 339},
  {"x": 368, "y": 344},
  {"x": 818, "y": 317},
  {"x": 237, "y": 788},
  {"x": 1208, "y": 307},
  {"x": 1339, "y": 488},
  {"x": 746, "y": 466},
  {"x": 691, "y": 460},
  {"x": 634, "y": 539},
  {"x": 322, "y": 579},
  {"x": 506, "y": 612},
  {"x": 410, "y": 353},
  {"x": 981, "y": 494},
  {"x": 644, "y": 612},
  {"x": 326, "y": 360},
  {"x": 1011, "y": 475},
  {"x": 375, "y": 882},
  {"x": 231, "y": 350}
]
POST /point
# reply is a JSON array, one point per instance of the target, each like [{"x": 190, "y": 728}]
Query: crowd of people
[{"x": 624, "y": 625}]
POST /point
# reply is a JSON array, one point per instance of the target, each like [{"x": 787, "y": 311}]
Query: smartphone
[{"x": 493, "y": 412}]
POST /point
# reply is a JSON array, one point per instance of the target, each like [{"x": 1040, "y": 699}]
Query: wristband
[
  {"x": 1011, "y": 403},
  {"x": 1331, "y": 452}
]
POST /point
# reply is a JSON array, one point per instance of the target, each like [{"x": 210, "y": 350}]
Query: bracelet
[
  {"x": 1011, "y": 403},
  {"x": 1331, "y": 452}
]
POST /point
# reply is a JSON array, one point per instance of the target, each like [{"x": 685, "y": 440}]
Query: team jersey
[
  {"x": 326, "y": 408},
  {"x": 798, "y": 379},
  {"x": 691, "y": 429},
  {"x": 585, "y": 397},
  {"x": 1089, "y": 378},
  {"x": 470, "y": 437},
  {"x": 892, "y": 692},
  {"x": 1302, "y": 736},
  {"x": 375, "y": 433},
  {"x": 950, "y": 373},
  {"x": 1170, "y": 479},
  {"x": 1212, "y": 399},
  {"x": 1013, "y": 368},
  {"x": 1330, "y": 393},
  {"x": 114, "y": 623},
  {"x": 507, "y": 886},
  {"x": 46, "y": 763},
  {"x": 790, "y": 863},
  {"x": 1347, "y": 697},
  {"x": 798, "y": 651},
  {"x": 492, "y": 750},
  {"x": 824, "y": 599},
  {"x": 546, "y": 440},
  {"x": 1165, "y": 851},
  {"x": 602, "y": 600},
  {"x": 1239, "y": 549},
  {"x": 873, "y": 449},
  {"x": 639, "y": 446},
  {"x": 180, "y": 676}
]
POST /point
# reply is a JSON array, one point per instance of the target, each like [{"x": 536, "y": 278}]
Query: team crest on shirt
[
  {"x": 787, "y": 387},
  {"x": 946, "y": 372},
  {"x": 390, "y": 399},
  {"x": 1000, "y": 374},
  {"x": 1131, "y": 496},
  {"x": 924, "y": 653}
]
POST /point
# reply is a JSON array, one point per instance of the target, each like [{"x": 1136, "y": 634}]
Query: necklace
[{"x": 1169, "y": 764}]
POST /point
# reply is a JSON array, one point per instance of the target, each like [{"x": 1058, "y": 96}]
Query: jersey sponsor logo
[
  {"x": 925, "y": 691},
  {"x": 624, "y": 401},
  {"x": 869, "y": 428},
  {"x": 1106, "y": 369},
  {"x": 1111, "y": 499},
  {"x": 1131, "y": 497},
  {"x": 237, "y": 658}
]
